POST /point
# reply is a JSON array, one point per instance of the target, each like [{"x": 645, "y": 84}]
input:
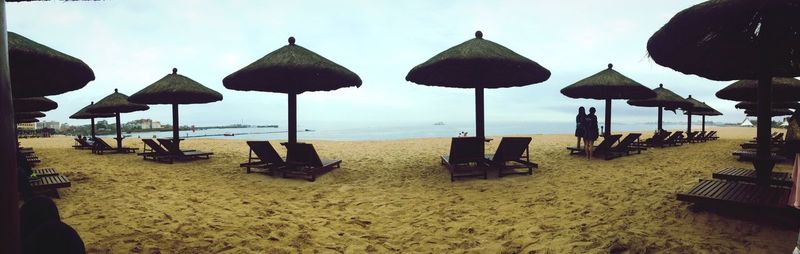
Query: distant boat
[
  {"x": 227, "y": 134},
  {"x": 438, "y": 123}
]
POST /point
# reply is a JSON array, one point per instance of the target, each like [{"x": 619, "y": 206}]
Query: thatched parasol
[
  {"x": 37, "y": 70},
  {"x": 664, "y": 99},
  {"x": 748, "y": 105},
  {"x": 773, "y": 112},
  {"x": 478, "y": 63},
  {"x": 783, "y": 89},
  {"x": 32, "y": 114},
  {"x": 116, "y": 103},
  {"x": 607, "y": 85},
  {"x": 84, "y": 114},
  {"x": 175, "y": 89},
  {"x": 34, "y": 104},
  {"x": 704, "y": 111},
  {"x": 735, "y": 40},
  {"x": 27, "y": 120},
  {"x": 696, "y": 106},
  {"x": 292, "y": 70}
]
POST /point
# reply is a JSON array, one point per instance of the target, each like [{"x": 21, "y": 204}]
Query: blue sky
[{"x": 131, "y": 44}]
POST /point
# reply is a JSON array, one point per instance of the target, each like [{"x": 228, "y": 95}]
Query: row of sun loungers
[
  {"x": 167, "y": 151},
  {"x": 302, "y": 161},
  {"x": 467, "y": 158},
  {"x": 43, "y": 180}
]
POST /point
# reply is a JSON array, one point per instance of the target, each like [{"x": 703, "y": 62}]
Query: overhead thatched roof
[
  {"x": 664, "y": 98},
  {"x": 478, "y": 63},
  {"x": 116, "y": 103},
  {"x": 774, "y": 112},
  {"x": 783, "y": 89},
  {"x": 708, "y": 111},
  {"x": 291, "y": 69},
  {"x": 84, "y": 113},
  {"x": 697, "y": 106},
  {"x": 34, "y": 104},
  {"x": 732, "y": 39},
  {"x": 608, "y": 84},
  {"x": 26, "y": 120},
  {"x": 748, "y": 105},
  {"x": 37, "y": 70},
  {"x": 32, "y": 114},
  {"x": 175, "y": 89}
]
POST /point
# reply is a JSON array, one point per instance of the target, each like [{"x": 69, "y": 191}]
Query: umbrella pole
[
  {"x": 689, "y": 123},
  {"x": 703, "y": 129},
  {"x": 175, "y": 136},
  {"x": 292, "y": 118},
  {"x": 608, "y": 118},
  {"x": 479, "y": 124},
  {"x": 119, "y": 132},
  {"x": 92, "y": 131},
  {"x": 762, "y": 162},
  {"x": 660, "y": 117},
  {"x": 9, "y": 197}
]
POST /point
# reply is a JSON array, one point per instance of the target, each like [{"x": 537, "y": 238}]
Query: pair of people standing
[{"x": 586, "y": 129}]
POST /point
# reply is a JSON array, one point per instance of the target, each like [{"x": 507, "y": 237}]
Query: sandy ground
[{"x": 393, "y": 196}]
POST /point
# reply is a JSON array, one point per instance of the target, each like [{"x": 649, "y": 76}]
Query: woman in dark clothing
[
  {"x": 590, "y": 132},
  {"x": 579, "y": 125}
]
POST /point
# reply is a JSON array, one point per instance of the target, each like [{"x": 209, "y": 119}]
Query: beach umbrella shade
[
  {"x": 116, "y": 103},
  {"x": 735, "y": 40},
  {"x": 32, "y": 114},
  {"x": 34, "y": 104},
  {"x": 703, "y": 112},
  {"x": 292, "y": 70},
  {"x": 478, "y": 64},
  {"x": 175, "y": 89},
  {"x": 773, "y": 112},
  {"x": 38, "y": 70},
  {"x": 84, "y": 114},
  {"x": 664, "y": 99},
  {"x": 696, "y": 106},
  {"x": 749, "y": 105},
  {"x": 783, "y": 90},
  {"x": 608, "y": 85}
]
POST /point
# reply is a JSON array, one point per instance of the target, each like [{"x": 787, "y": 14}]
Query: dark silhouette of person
[
  {"x": 579, "y": 119},
  {"x": 35, "y": 212},
  {"x": 590, "y": 131},
  {"x": 55, "y": 237}
]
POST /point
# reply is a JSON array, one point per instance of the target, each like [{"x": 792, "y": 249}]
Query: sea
[{"x": 385, "y": 131}]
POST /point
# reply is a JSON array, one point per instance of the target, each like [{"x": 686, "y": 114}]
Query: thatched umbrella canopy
[
  {"x": 175, "y": 89},
  {"x": 116, "y": 103},
  {"x": 748, "y": 105},
  {"x": 85, "y": 114},
  {"x": 703, "y": 110},
  {"x": 27, "y": 120},
  {"x": 773, "y": 112},
  {"x": 34, "y": 104},
  {"x": 292, "y": 70},
  {"x": 735, "y": 40},
  {"x": 37, "y": 70},
  {"x": 696, "y": 106},
  {"x": 478, "y": 63},
  {"x": 608, "y": 85},
  {"x": 664, "y": 99},
  {"x": 783, "y": 89},
  {"x": 32, "y": 114}
]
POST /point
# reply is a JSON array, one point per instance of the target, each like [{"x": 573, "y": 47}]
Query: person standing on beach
[
  {"x": 792, "y": 144},
  {"x": 579, "y": 119},
  {"x": 590, "y": 132}
]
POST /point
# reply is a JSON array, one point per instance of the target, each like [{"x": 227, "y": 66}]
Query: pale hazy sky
[{"x": 131, "y": 44}]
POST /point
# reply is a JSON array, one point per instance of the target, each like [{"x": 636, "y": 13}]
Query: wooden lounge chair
[
  {"x": 656, "y": 140},
  {"x": 266, "y": 157},
  {"x": 153, "y": 151},
  {"x": 303, "y": 161},
  {"x": 749, "y": 176},
  {"x": 466, "y": 158},
  {"x": 675, "y": 139},
  {"x": 101, "y": 147},
  {"x": 712, "y": 135},
  {"x": 601, "y": 150},
  {"x": 44, "y": 171},
  {"x": 625, "y": 146},
  {"x": 721, "y": 192},
  {"x": 701, "y": 137},
  {"x": 690, "y": 137},
  {"x": 183, "y": 154},
  {"x": 512, "y": 154},
  {"x": 82, "y": 144},
  {"x": 750, "y": 155},
  {"x": 50, "y": 184}
]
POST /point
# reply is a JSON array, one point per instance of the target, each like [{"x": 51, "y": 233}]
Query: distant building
[
  {"x": 48, "y": 124},
  {"x": 26, "y": 126},
  {"x": 156, "y": 125},
  {"x": 64, "y": 126},
  {"x": 145, "y": 124}
]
